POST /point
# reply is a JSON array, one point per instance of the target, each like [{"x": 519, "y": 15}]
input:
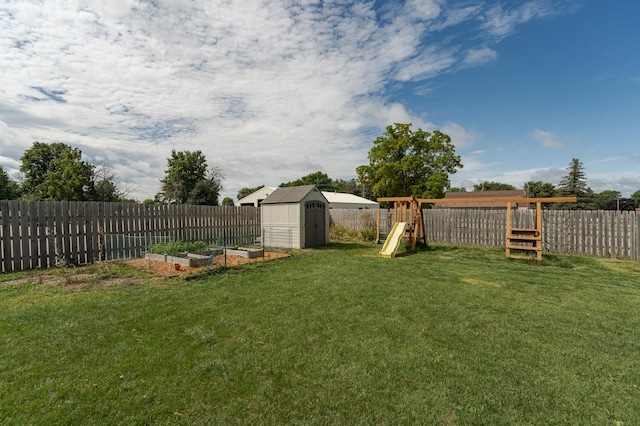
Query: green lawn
[{"x": 333, "y": 336}]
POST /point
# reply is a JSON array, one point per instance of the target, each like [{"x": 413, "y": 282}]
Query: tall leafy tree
[
  {"x": 189, "y": 180},
  {"x": 8, "y": 188},
  {"x": 36, "y": 163},
  {"x": 603, "y": 199},
  {"x": 403, "y": 162},
  {"x": 227, "y": 201},
  {"x": 321, "y": 180},
  {"x": 539, "y": 189},
  {"x": 70, "y": 178},
  {"x": 55, "y": 172},
  {"x": 575, "y": 183},
  {"x": 492, "y": 186},
  {"x": 207, "y": 190}
]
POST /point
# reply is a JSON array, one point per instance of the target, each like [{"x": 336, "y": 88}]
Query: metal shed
[{"x": 295, "y": 217}]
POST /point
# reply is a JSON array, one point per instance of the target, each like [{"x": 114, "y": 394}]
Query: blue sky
[{"x": 273, "y": 90}]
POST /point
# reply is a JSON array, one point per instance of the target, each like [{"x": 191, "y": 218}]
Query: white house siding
[
  {"x": 255, "y": 198},
  {"x": 339, "y": 200}
]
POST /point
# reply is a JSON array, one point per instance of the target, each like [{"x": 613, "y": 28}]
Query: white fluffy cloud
[{"x": 269, "y": 91}]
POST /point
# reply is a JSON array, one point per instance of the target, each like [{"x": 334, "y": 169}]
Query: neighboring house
[
  {"x": 336, "y": 200},
  {"x": 295, "y": 217},
  {"x": 255, "y": 198},
  {"x": 474, "y": 204}
]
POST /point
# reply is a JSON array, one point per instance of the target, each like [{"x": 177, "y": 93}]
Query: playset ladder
[{"x": 524, "y": 239}]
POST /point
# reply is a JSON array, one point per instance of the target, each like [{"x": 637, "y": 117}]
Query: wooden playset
[{"x": 409, "y": 210}]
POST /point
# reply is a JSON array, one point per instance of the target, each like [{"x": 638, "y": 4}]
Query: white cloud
[
  {"x": 269, "y": 91},
  {"x": 547, "y": 139},
  {"x": 422, "y": 9},
  {"x": 429, "y": 63},
  {"x": 500, "y": 22},
  {"x": 460, "y": 137},
  {"x": 481, "y": 56}
]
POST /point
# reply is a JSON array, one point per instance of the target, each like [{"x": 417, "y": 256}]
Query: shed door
[{"x": 315, "y": 226}]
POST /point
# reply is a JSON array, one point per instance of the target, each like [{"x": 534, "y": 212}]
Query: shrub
[{"x": 368, "y": 234}]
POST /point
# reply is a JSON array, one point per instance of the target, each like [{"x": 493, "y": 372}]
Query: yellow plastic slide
[{"x": 392, "y": 243}]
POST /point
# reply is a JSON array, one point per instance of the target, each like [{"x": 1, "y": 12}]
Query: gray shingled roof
[{"x": 291, "y": 194}]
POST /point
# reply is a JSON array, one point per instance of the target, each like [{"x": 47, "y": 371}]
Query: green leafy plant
[{"x": 176, "y": 248}]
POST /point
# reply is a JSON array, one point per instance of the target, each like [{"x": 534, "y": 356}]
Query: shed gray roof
[{"x": 291, "y": 194}]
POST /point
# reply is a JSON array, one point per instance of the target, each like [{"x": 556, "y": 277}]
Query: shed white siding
[{"x": 281, "y": 225}]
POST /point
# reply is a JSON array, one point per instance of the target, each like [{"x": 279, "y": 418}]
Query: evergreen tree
[{"x": 575, "y": 183}]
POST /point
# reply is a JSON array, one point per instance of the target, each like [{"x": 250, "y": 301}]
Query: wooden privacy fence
[
  {"x": 578, "y": 232},
  {"x": 38, "y": 234}
]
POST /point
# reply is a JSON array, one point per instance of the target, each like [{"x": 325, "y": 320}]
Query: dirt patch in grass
[
  {"x": 70, "y": 280},
  {"x": 166, "y": 269},
  {"x": 73, "y": 279}
]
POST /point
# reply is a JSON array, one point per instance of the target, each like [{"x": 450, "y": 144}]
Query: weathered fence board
[
  {"x": 43, "y": 234},
  {"x": 593, "y": 233}
]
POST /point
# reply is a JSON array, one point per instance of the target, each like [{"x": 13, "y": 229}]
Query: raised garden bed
[
  {"x": 249, "y": 253},
  {"x": 206, "y": 257}
]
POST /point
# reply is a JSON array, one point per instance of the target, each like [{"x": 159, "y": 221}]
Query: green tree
[
  {"x": 105, "y": 188},
  {"x": 636, "y": 198},
  {"x": 8, "y": 188},
  {"x": 492, "y": 186},
  {"x": 620, "y": 204},
  {"x": 574, "y": 183},
  {"x": 55, "y": 172},
  {"x": 602, "y": 199},
  {"x": 321, "y": 180},
  {"x": 457, "y": 189},
  {"x": 70, "y": 178},
  {"x": 246, "y": 191},
  {"x": 403, "y": 162},
  {"x": 207, "y": 190},
  {"x": 227, "y": 201},
  {"x": 351, "y": 186},
  {"x": 189, "y": 180},
  {"x": 539, "y": 189}
]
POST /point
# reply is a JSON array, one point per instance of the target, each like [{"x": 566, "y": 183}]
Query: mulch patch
[{"x": 166, "y": 269}]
